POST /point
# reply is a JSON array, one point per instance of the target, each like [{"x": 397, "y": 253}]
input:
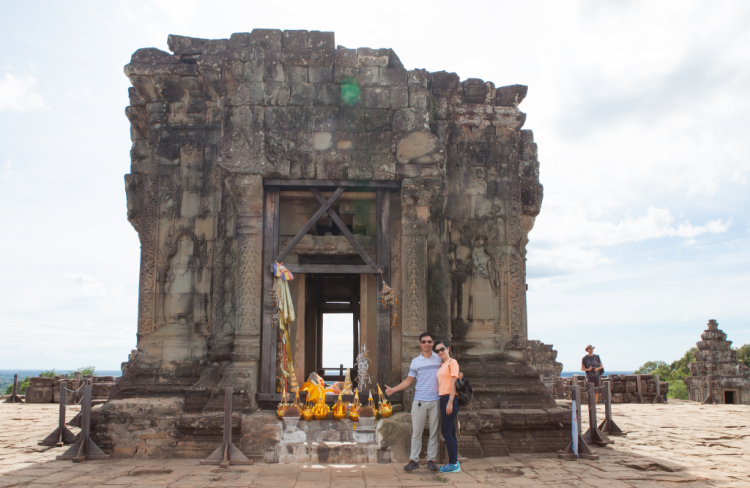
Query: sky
[{"x": 641, "y": 111}]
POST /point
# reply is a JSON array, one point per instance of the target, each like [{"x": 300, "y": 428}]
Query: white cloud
[
  {"x": 8, "y": 172},
  {"x": 17, "y": 93},
  {"x": 80, "y": 285}
]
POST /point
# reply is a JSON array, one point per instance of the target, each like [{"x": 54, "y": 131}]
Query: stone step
[{"x": 329, "y": 453}]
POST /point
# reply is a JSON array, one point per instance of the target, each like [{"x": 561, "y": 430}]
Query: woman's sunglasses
[{"x": 440, "y": 350}]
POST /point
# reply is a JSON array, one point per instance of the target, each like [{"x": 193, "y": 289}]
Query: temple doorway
[{"x": 729, "y": 396}]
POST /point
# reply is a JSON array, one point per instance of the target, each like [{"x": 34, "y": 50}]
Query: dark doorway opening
[
  {"x": 332, "y": 324},
  {"x": 729, "y": 397}
]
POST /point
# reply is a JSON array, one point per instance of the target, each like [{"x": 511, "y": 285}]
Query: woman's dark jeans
[{"x": 448, "y": 428}]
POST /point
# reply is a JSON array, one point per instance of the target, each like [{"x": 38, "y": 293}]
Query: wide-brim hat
[{"x": 588, "y": 347}]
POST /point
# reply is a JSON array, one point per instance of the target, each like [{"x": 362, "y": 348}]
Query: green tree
[
  {"x": 673, "y": 373},
  {"x": 743, "y": 354},
  {"x": 21, "y": 386},
  {"x": 50, "y": 373},
  {"x": 88, "y": 370}
]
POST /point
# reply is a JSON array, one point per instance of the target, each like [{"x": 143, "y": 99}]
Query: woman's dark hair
[
  {"x": 435, "y": 345},
  {"x": 425, "y": 334}
]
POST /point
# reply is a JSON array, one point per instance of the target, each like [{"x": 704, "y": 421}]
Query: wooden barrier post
[
  {"x": 584, "y": 450},
  {"x": 593, "y": 434},
  {"x": 657, "y": 386},
  {"x": 710, "y": 400},
  {"x": 84, "y": 448},
  {"x": 14, "y": 398},
  {"x": 61, "y": 435},
  {"x": 227, "y": 453},
  {"x": 608, "y": 425},
  {"x": 639, "y": 395}
]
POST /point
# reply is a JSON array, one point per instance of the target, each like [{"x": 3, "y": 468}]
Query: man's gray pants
[{"x": 420, "y": 411}]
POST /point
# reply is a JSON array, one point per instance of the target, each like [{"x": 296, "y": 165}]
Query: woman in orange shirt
[{"x": 447, "y": 375}]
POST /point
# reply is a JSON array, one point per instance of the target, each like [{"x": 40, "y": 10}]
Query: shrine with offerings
[{"x": 277, "y": 179}]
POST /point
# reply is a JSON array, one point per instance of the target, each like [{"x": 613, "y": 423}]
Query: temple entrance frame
[{"x": 381, "y": 267}]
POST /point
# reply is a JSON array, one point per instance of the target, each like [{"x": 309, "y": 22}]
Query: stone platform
[
  {"x": 328, "y": 441},
  {"x": 682, "y": 443}
]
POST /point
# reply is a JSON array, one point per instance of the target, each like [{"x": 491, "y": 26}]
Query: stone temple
[
  {"x": 352, "y": 171},
  {"x": 715, "y": 358}
]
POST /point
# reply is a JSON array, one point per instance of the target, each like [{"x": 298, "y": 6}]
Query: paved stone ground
[{"x": 680, "y": 444}]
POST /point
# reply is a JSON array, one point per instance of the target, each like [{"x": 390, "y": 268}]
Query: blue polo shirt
[{"x": 425, "y": 371}]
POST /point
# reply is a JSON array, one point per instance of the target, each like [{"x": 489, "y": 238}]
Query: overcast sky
[{"x": 641, "y": 111}]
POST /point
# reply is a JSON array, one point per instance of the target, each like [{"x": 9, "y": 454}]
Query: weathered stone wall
[{"x": 624, "y": 387}]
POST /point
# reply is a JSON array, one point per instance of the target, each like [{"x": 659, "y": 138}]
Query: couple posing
[{"x": 436, "y": 373}]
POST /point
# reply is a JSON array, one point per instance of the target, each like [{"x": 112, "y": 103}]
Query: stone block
[
  {"x": 418, "y": 171},
  {"x": 321, "y": 40},
  {"x": 320, "y": 74},
  {"x": 39, "y": 394},
  {"x": 379, "y": 142},
  {"x": 274, "y": 71},
  {"x": 391, "y": 76},
  {"x": 351, "y": 141},
  {"x": 419, "y": 147},
  {"x": 326, "y": 94},
  {"x": 410, "y": 120},
  {"x": 352, "y": 119},
  {"x": 366, "y": 77},
  {"x": 510, "y": 96},
  {"x": 475, "y": 90},
  {"x": 302, "y": 94},
  {"x": 270, "y": 40},
  {"x": 418, "y": 97},
  {"x": 294, "y": 39},
  {"x": 378, "y": 120},
  {"x": 296, "y": 57},
  {"x": 250, "y": 94},
  {"x": 399, "y": 97},
  {"x": 296, "y": 74},
  {"x": 260, "y": 431},
  {"x": 618, "y": 398},
  {"x": 344, "y": 57},
  {"x": 618, "y": 387},
  {"x": 372, "y": 57},
  {"x": 378, "y": 97}
]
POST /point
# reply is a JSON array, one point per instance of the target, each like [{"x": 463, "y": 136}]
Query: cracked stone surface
[{"x": 682, "y": 444}]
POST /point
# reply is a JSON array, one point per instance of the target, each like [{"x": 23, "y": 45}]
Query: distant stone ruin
[
  {"x": 730, "y": 379},
  {"x": 355, "y": 172}
]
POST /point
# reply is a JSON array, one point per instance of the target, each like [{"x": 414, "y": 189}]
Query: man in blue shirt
[{"x": 426, "y": 401}]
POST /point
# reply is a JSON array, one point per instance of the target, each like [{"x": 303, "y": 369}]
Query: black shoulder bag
[
  {"x": 464, "y": 392},
  {"x": 601, "y": 371}
]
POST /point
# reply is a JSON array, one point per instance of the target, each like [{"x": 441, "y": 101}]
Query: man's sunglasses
[
  {"x": 440, "y": 350},
  {"x": 426, "y": 342}
]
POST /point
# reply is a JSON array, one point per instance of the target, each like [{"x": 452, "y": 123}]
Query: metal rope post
[
  {"x": 657, "y": 384},
  {"x": 584, "y": 450},
  {"x": 608, "y": 425},
  {"x": 227, "y": 453},
  {"x": 61, "y": 435},
  {"x": 594, "y": 435},
  {"x": 14, "y": 398},
  {"x": 84, "y": 448}
]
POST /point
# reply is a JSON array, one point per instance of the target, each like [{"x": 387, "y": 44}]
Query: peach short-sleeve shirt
[{"x": 447, "y": 374}]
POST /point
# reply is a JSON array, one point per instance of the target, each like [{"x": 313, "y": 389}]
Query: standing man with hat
[{"x": 592, "y": 365}]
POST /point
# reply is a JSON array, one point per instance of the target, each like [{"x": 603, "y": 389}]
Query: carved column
[
  {"x": 247, "y": 192},
  {"x": 417, "y": 194},
  {"x": 147, "y": 234}
]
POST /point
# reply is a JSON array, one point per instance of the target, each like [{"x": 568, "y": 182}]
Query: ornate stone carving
[
  {"x": 415, "y": 278},
  {"x": 148, "y": 256}
]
